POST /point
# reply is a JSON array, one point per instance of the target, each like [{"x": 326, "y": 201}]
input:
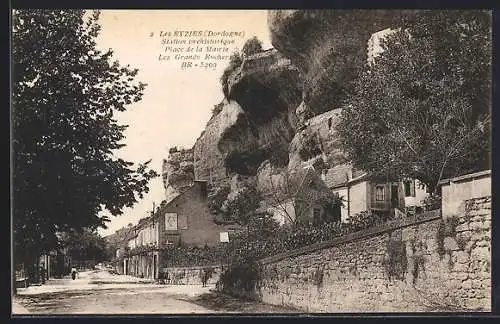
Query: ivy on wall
[
  {"x": 446, "y": 235},
  {"x": 318, "y": 276},
  {"x": 395, "y": 262}
]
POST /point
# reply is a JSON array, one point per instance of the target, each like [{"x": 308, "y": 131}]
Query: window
[
  {"x": 316, "y": 216},
  {"x": 409, "y": 188},
  {"x": 379, "y": 193}
]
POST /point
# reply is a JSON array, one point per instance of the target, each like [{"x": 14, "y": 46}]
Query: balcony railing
[{"x": 381, "y": 205}]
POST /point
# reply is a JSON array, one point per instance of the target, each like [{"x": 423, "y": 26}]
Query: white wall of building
[
  {"x": 148, "y": 235},
  {"x": 455, "y": 191},
  {"x": 283, "y": 213},
  {"x": 420, "y": 195},
  {"x": 132, "y": 243},
  {"x": 358, "y": 197}
]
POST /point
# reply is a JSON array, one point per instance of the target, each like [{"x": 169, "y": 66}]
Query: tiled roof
[
  {"x": 337, "y": 176},
  {"x": 357, "y": 173}
]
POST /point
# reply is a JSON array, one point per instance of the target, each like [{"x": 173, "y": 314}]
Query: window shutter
[{"x": 182, "y": 221}]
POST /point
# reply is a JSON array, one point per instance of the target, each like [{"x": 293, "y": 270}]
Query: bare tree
[{"x": 302, "y": 190}]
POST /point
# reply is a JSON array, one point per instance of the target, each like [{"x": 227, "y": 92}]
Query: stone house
[
  {"x": 361, "y": 194},
  {"x": 186, "y": 220},
  {"x": 142, "y": 261},
  {"x": 301, "y": 194}
]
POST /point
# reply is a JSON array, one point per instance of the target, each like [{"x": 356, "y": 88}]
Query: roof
[
  {"x": 337, "y": 176},
  {"x": 298, "y": 180},
  {"x": 342, "y": 175},
  {"x": 466, "y": 177},
  {"x": 145, "y": 221}
]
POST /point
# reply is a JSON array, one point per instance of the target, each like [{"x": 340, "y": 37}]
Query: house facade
[
  {"x": 456, "y": 190},
  {"x": 360, "y": 194},
  {"x": 142, "y": 261},
  {"x": 301, "y": 194},
  {"x": 186, "y": 220}
]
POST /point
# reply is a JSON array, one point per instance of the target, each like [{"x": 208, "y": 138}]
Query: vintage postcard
[{"x": 251, "y": 161}]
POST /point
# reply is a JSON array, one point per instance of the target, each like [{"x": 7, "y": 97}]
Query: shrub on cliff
[
  {"x": 217, "y": 199},
  {"x": 310, "y": 146},
  {"x": 252, "y": 46},
  {"x": 422, "y": 110},
  {"x": 217, "y": 109},
  {"x": 242, "y": 207}
]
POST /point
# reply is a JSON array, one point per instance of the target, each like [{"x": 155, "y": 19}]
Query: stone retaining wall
[
  {"x": 191, "y": 275},
  {"x": 430, "y": 264}
]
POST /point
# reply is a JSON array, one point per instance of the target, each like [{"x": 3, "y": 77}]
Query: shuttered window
[{"x": 409, "y": 188}]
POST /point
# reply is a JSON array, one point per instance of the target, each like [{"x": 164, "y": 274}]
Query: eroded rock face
[
  {"x": 317, "y": 139},
  {"x": 268, "y": 180},
  {"x": 328, "y": 47},
  {"x": 266, "y": 84},
  {"x": 283, "y": 104},
  {"x": 267, "y": 88},
  {"x": 177, "y": 172},
  {"x": 208, "y": 159}
]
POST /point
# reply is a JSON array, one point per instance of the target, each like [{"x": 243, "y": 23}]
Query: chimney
[{"x": 349, "y": 175}]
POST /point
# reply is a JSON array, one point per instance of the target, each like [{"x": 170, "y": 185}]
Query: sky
[{"x": 176, "y": 104}]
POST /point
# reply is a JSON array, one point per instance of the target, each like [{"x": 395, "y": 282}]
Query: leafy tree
[
  {"x": 64, "y": 97},
  {"x": 85, "y": 245},
  {"x": 252, "y": 46},
  {"x": 242, "y": 207},
  {"x": 422, "y": 109},
  {"x": 216, "y": 201}
]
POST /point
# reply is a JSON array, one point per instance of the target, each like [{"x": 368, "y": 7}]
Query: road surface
[{"x": 98, "y": 292}]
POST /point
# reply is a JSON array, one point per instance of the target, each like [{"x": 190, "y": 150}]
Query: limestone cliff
[
  {"x": 283, "y": 104},
  {"x": 317, "y": 139},
  {"x": 208, "y": 159},
  {"x": 328, "y": 47},
  {"x": 267, "y": 87},
  {"x": 177, "y": 172}
]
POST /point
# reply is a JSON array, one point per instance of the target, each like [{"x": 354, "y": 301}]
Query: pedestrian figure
[
  {"x": 202, "y": 275},
  {"x": 206, "y": 275},
  {"x": 42, "y": 274},
  {"x": 73, "y": 273}
]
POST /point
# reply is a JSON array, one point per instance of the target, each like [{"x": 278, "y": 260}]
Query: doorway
[
  {"x": 154, "y": 266},
  {"x": 394, "y": 196}
]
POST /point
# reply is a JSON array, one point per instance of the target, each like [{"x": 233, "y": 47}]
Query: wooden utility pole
[{"x": 153, "y": 214}]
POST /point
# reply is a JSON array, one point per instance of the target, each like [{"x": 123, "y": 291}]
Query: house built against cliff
[{"x": 361, "y": 194}]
